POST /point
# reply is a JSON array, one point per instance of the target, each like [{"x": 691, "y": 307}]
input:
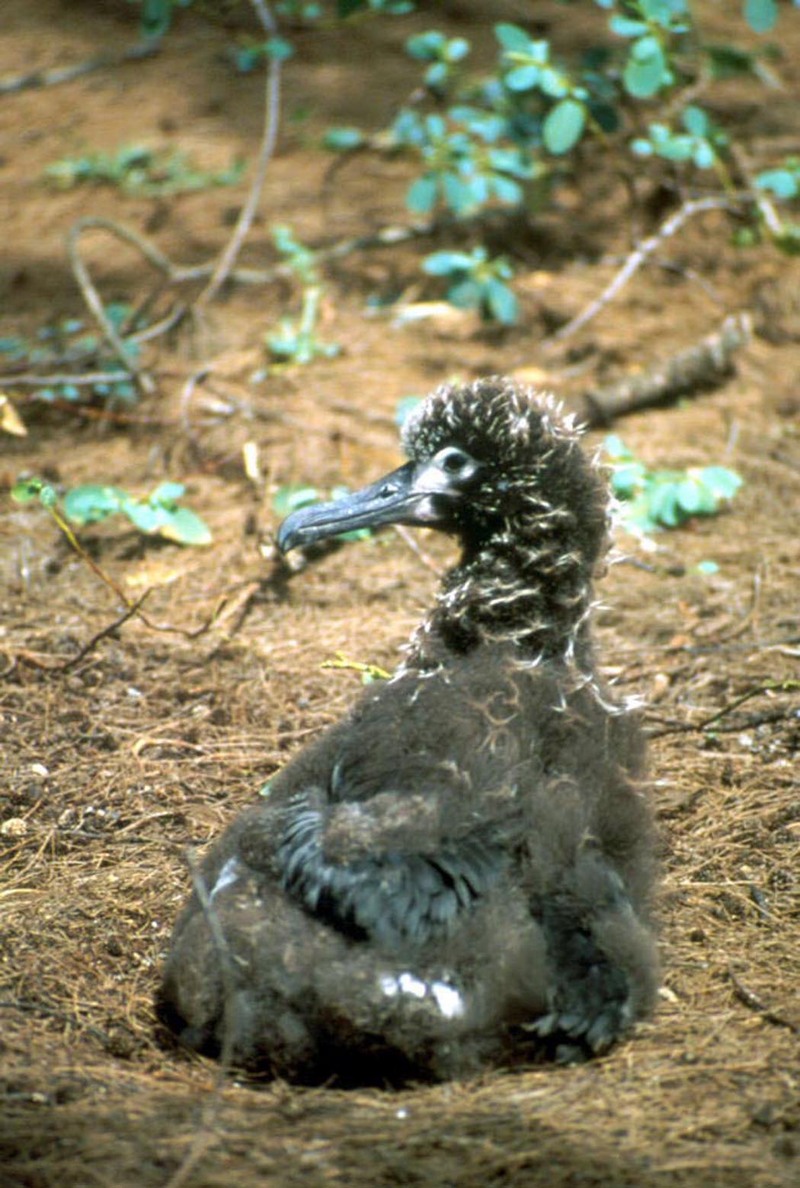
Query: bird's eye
[{"x": 455, "y": 462}]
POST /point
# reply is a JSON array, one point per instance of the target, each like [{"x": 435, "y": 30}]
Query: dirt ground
[{"x": 117, "y": 757}]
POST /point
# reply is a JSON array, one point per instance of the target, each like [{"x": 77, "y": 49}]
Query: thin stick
[
  {"x": 95, "y": 305},
  {"x": 635, "y": 261},
  {"x": 148, "y": 249},
  {"x": 224, "y": 265},
  {"x": 28, "y": 380},
  {"x": 51, "y": 78}
]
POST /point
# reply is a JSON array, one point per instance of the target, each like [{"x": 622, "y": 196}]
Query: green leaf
[
  {"x": 615, "y": 447},
  {"x": 145, "y": 518},
  {"x": 723, "y": 482},
  {"x": 564, "y": 125},
  {"x": 646, "y": 68},
  {"x": 501, "y": 302},
  {"x": 185, "y": 527},
  {"x": 290, "y": 498},
  {"x": 445, "y": 263},
  {"x": 627, "y": 478},
  {"x": 459, "y": 195},
  {"x": 457, "y": 49},
  {"x": 505, "y": 189},
  {"x": 707, "y": 568},
  {"x": 467, "y": 294},
  {"x": 703, "y": 156},
  {"x": 26, "y": 490},
  {"x": 167, "y": 494},
  {"x": 780, "y": 182},
  {"x": 553, "y": 83},
  {"x": 279, "y": 49},
  {"x": 426, "y": 47},
  {"x": 343, "y": 139},
  {"x": 626, "y": 27},
  {"x": 523, "y": 78},
  {"x": 695, "y": 120},
  {"x": 422, "y": 194},
  {"x": 761, "y": 15},
  {"x": 512, "y": 38},
  {"x": 693, "y": 497},
  {"x": 89, "y": 504},
  {"x": 664, "y": 505}
]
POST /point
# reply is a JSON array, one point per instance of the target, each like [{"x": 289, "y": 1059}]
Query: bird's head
[{"x": 490, "y": 462}]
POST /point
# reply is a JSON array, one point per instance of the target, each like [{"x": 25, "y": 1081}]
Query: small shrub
[
  {"x": 158, "y": 515},
  {"x": 474, "y": 281},
  {"x": 140, "y": 171},
  {"x": 655, "y": 499}
]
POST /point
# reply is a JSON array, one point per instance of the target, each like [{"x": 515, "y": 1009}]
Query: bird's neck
[{"x": 536, "y": 596}]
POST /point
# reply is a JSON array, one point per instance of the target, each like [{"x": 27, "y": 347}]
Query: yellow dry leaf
[{"x": 10, "y": 420}]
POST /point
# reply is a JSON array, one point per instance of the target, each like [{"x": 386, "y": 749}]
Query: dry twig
[
  {"x": 62, "y": 74},
  {"x": 635, "y": 260},
  {"x": 227, "y": 259}
]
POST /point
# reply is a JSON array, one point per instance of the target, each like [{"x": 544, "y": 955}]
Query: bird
[{"x": 460, "y": 874}]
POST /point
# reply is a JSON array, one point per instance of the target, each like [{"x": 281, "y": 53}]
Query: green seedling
[
  {"x": 158, "y": 515},
  {"x": 474, "y": 281},
  {"x": 140, "y": 171},
  {"x": 700, "y": 141},
  {"x": 653, "y": 499},
  {"x": 67, "y": 345},
  {"x": 295, "y": 340}
]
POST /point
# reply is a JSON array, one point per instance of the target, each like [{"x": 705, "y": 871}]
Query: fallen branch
[
  {"x": 635, "y": 261},
  {"x": 62, "y": 74},
  {"x": 227, "y": 259},
  {"x": 698, "y": 368}
]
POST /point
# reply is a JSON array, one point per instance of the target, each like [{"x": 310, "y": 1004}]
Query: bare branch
[
  {"x": 635, "y": 260},
  {"x": 227, "y": 259}
]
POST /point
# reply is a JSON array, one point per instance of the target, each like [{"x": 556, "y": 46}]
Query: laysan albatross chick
[{"x": 457, "y": 874}]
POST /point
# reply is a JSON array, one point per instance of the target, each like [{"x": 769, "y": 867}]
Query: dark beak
[{"x": 410, "y": 495}]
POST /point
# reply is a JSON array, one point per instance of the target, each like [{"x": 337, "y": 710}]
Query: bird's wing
[{"x": 406, "y": 819}]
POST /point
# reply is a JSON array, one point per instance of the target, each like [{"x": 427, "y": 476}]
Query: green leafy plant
[
  {"x": 158, "y": 515},
  {"x": 510, "y": 136},
  {"x": 463, "y": 169},
  {"x": 699, "y": 142},
  {"x": 138, "y": 170},
  {"x": 474, "y": 281},
  {"x": 296, "y": 340},
  {"x": 655, "y": 499},
  {"x": 66, "y": 345},
  {"x": 156, "y": 15}
]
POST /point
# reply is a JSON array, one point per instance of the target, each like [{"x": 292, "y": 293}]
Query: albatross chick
[{"x": 457, "y": 874}]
